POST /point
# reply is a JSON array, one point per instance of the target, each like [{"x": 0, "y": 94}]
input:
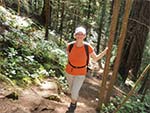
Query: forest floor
[{"x": 45, "y": 98}]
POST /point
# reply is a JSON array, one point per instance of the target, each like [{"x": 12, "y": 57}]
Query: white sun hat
[{"x": 80, "y": 29}]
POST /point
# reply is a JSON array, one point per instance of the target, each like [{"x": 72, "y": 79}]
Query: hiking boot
[{"x": 71, "y": 108}]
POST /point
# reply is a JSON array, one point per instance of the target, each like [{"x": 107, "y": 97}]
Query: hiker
[{"x": 78, "y": 57}]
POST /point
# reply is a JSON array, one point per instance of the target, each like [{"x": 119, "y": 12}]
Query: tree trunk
[
  {"x": 43, "y": 17},
  {"x": 89, "y": 9},
  {"x": 62, "y": 20},
  {"x": 121, "y": 12},
  {"x": 102, "y": 94},
  {"x": 56, "y": 24},
  {"x": 75, "y": 19},
  {"x": 138, "y": 28},
  {"x": 119, "y": 51},
  {"x": 19, "y": 7},
  {"x": 47, "y": 12}
]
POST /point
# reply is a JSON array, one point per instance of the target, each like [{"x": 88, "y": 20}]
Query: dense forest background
[{"x": 34, "y": 34}]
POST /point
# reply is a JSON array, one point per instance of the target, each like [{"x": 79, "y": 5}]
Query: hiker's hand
[{"x": 105, "y": 50}]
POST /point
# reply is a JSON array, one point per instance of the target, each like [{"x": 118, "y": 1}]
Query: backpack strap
[
  {"x": 70, "y": 47},
  {"x": 87, "y": 53}
]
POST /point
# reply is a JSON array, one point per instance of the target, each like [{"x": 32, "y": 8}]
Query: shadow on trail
[{"x": 89, "y": 92}]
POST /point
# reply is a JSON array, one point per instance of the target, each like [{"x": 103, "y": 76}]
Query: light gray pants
[{"x": 75, "y": 84}]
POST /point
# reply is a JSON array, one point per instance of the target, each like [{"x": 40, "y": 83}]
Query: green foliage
[
  {"x": 25, "y": 57},
  {"x": 6, "y": 80},
  {"x": 20, "y": 61},
  {"x": 50, "y": 56},
  {"x": 133, "y": 105},
  {"x": 108, "y": 109}
]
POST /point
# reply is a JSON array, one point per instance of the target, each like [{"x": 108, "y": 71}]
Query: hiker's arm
[{"x": 100, "y": 55}]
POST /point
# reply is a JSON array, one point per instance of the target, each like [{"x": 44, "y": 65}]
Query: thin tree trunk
[
  {"x": 75, "y": 19},
  {"x": 89, "y": 8},
  {"x": 132, "y": 90},
  {"x": 47, "y": 12},
  {"x": 62, "y": 21},
  {"x": 43, "y": 17},
  {"x": 18, "y": 7},
  {"x": 87, "y": 26},
  {"x": 119, "y": 51},
  {"x": 56, "y": 24},
  {"x": 121, "y": 12},
  {"x": 35, "y": 5},
  {"x": 50, "y": 14},
  {"x": 110, "y": 43}
]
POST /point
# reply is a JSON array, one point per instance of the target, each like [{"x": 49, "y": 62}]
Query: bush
[{"x": 133, "y": 105}]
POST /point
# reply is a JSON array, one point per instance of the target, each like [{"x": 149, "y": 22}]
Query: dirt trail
[{"x": 33, "y": 99}]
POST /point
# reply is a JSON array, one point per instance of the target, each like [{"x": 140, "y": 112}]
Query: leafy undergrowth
[
  {"x": 134, "y": 104},
  {"x": 25, "y": 56}
]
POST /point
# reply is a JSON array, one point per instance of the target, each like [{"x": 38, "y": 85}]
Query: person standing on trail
[{"x": 78, "y": 52}]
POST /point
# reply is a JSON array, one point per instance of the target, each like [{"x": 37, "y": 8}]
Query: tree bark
[
  {"x": 89, "y": 9},
  {"x": 102, "y": 94},
  {"x": 56, "y": 24},
  {"x": 62, "y": 21},
  {"x": 119, "y": 51},
  {"x": 121, "y": 12},
  {"x": 19, "y": 7},
  {"x": 138, "y": 28},
  {"x": 43, "y": 17},
  {"x": 47, "y": 17}
]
